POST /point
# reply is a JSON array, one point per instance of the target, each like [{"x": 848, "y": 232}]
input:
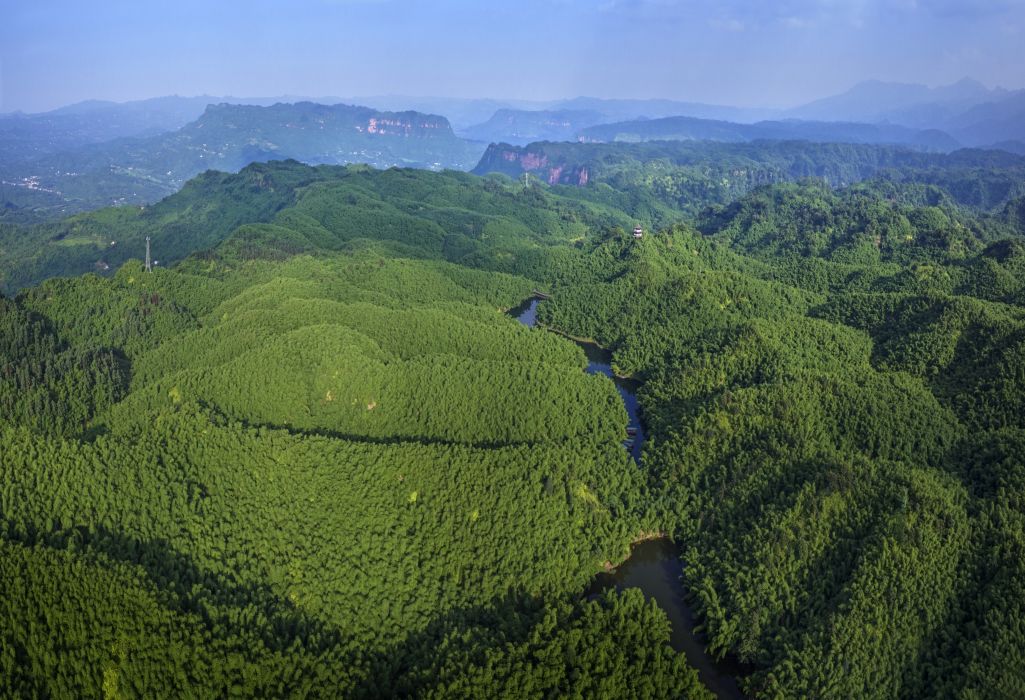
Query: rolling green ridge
[
  {"x": 310, "y": 455},
  {"x": 259, "y": 406},
  {"x": 289, "y": 208},
  {"x": 689, "y": 175}
]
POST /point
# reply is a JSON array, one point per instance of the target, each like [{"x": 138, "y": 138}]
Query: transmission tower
[{"x": 149, "y": 265}]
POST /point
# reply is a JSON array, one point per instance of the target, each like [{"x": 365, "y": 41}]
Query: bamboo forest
[{"x": 313, "y": 453}]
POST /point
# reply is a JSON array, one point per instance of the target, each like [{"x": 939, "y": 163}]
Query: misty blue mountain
[{"x": 229, "y": 137}]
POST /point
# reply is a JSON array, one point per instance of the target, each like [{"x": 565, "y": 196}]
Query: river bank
[{"x": 654, "y": 564}]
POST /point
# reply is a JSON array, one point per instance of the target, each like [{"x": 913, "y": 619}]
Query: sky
[{"x": 751, "y": 53}]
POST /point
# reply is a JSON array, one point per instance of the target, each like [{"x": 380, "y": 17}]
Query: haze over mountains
[
  {"x": 466, "y": 113},
  {"x": 903, "y": 103},
  {"x": 969, "y": 111},
  {"x": 691, "y": 129},
  {"x": 228, "y": 137},
  {"x": 99, "y": 153}
]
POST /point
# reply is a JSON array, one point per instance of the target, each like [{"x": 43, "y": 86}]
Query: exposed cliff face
[
  {"x": 228, "y": 137},
  {"x": 681, "y": 173},
  {"x": 405, "y": 127},
  {"x": 517, "y": 160},
  {"x": 317, "y": 119}
]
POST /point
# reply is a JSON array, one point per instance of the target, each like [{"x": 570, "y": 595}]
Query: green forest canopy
[{"x": 315, "y": 457}]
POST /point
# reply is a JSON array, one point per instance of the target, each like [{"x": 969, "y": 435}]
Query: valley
[
  {"x": 616, "y": 350},
  {"x": 315, "y": 441},
  {"x": 653, "y": 566}
]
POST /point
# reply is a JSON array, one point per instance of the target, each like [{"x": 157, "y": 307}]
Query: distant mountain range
[
  {"x": 565, "y": 120},
  {"x": 573, "y": 118},
  {"x": 966, "y": 113},
  {"x": 621, "y": 110},
  {"x": 691, "y": 129},
  {"x": 991, "y": 122},
  {"x": 27, "y": 136},
  {"x": 967, "y": 110},
  {"x": 229, "y": 137},
  {"x": 467, "y": 115},
  {"x": 521, "y": 126},
  {"x": 903, "y": 103},
  {"x": 98, "y": 153}
]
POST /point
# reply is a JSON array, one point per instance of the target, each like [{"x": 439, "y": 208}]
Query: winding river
[{"x": 654, "y": 566}]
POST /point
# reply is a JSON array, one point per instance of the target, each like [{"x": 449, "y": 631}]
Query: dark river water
[
  {"x": 599, "y": 361},
  {"x": 654, "y": 566}
]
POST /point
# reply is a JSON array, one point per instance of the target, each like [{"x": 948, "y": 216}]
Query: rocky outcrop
[
  {"x": 318, "y": 119},
  {"x": 517, "y": 160}
]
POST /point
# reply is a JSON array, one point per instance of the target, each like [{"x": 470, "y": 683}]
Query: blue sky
[{"x": 773, "y": 53}]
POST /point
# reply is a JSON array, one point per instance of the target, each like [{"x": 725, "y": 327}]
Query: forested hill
[
  {"x": 280, "y": 208},
  {"x": 228, "y": 137},
  {"x": 315, "y": 457},
  {"x": 690, "y": 174},
  {"x": 265, "y": 473},
  {"x": 652, "y": 183}
]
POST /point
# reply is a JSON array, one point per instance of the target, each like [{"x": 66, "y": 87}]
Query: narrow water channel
[
  {"x": 654, "y": 566},
  {"x": 599, "y": 361}
]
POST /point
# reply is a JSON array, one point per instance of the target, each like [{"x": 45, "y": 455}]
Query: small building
[{"x": 638, "y": 232}]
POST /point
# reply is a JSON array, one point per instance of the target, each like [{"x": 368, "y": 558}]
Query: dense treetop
[{"x": 315, "y": 456}]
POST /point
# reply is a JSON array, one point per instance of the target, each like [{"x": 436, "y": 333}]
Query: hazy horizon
[
  {"x": 334, "y": 99},
  {"x": 735, "y": 53}
]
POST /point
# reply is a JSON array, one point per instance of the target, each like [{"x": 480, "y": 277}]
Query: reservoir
[
  {"x": 654, "y": 565},
  {"x": 599, "y": 361}
]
